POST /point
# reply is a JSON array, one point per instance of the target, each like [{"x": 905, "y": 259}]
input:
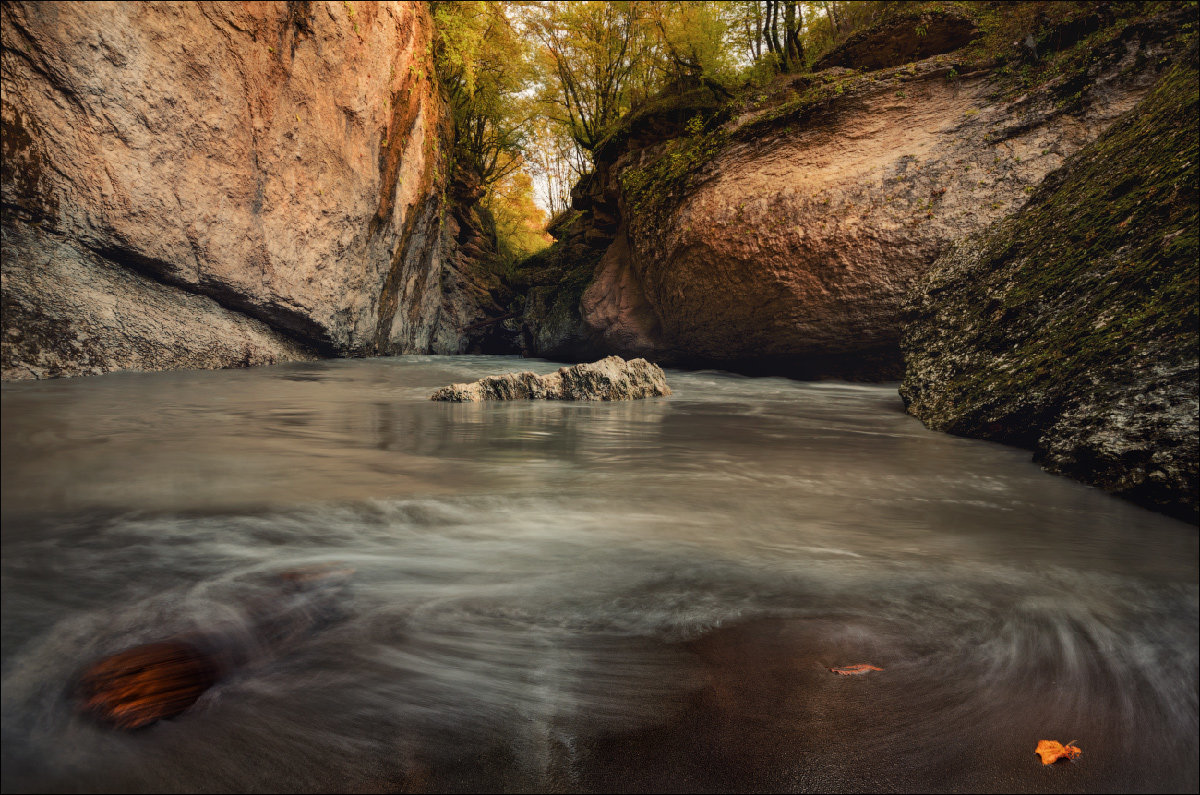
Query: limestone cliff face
[
  {"x": 1071, "y": 328},
  {"x": 785, "y": 235},
  {"x": 220, "y": 184}
]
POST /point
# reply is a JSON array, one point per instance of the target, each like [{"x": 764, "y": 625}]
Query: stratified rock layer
[
  {"x": 220, "y": 184},
  {"x": 611, "y": 378},
  {"x": 1072, "y": 326}
]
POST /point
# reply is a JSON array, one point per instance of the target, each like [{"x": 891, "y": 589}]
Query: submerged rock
[
  {"x": 611, "y": 378},
  {"x": 146, "y": 684}
]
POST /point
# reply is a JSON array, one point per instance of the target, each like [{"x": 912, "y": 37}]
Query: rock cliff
[
  {"x": 1071, "y": 327},
  {"x": 220, "y": 184},
  {"x": 781, "y": 232}
]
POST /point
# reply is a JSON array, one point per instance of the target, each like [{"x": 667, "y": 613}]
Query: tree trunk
[
  {"x": 777, "y": 47},
  {"x": 766, "y": 26},
  {"x": 758, "y": 23},
  {"x": 831, "y": 12},
  {"x": 789, "y": 26},
  {"x": 794, "y": 47}
]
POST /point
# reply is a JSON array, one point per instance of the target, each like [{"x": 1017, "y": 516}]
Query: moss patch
[
  {"x": 1084, "y": 299},
  {"x": 1127, "y": 234}
]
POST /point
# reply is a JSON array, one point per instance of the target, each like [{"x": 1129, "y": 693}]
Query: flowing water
[{"x": 638, "y": 596}]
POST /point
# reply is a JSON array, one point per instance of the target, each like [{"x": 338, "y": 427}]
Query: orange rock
[{"x": 145, "y": 684}]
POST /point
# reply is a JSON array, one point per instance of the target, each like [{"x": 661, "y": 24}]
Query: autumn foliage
[
  {"x": 1051, "y": 751},
  {"x": 854, "y": 670}
]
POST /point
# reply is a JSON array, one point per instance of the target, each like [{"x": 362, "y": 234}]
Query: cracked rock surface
[
  {"x": 220, "y": 184},
  {"x": 611, "y": 378}
]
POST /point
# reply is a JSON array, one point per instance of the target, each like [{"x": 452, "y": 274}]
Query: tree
[
  {"x": 520, "y": 223},
  {"x": 485, "y": 66},
  {"x": 592, "y": 50}
]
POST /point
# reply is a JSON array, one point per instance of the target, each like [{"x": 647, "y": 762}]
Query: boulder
[
  {"x": 148, "y": 683},
  {"x": 611, "y": 378},
  {"x": 900, "y": 38},
  {"x": 144, "y": 684},
  {"x": 1071, "y": 327},
  {"x": 786, "y": 239}
]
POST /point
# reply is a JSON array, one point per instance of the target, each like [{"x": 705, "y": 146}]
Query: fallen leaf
[
  {"x": 1051, "y": 751},
  {"x": 854, "y": 670}
]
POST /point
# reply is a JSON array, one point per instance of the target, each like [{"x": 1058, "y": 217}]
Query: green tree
[{"x": 485, "y": 67}]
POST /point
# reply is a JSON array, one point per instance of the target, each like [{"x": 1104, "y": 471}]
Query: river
[{"x": 539, "y": 596}]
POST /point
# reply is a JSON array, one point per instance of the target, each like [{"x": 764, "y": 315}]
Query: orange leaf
[
  {"x": 854, "y": 670},
  {"x": 1051, "y": 751}
]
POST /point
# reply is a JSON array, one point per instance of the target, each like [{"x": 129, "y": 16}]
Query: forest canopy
[{"x": 535, "y": 87}]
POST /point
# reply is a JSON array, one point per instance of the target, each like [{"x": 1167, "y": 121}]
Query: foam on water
[{"x": 577, "y": 596}]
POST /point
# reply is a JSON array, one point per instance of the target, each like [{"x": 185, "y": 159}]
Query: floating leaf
[
  {"x": 854, "y": 670},
  {"x": 1051, "y": 751}
]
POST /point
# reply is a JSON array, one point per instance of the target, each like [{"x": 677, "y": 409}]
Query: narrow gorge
[{"x": 600, "y": 396}]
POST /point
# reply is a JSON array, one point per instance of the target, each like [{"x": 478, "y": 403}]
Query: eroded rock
[
  {"x": 786, "y": 239},
  {"x": 901, "y": 38},
  {"x": 611, "y": 378},
  {"x": 1071, "y": 328},
  {"x": 268, "y": 180}
]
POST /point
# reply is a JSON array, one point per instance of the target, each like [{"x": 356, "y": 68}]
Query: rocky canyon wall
[
  {"x": 223, "y": 184},
  {"x": 782, "y": 231},
  {"x": 1071, "y": 328}
]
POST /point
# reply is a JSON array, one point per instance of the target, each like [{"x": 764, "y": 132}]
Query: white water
[{"x": 553, "y": 596}]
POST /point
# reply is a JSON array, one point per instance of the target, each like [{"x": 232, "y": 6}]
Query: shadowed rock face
[
  {"x": 791, "y": 244},
  {"x": 907, "y": 37},
  {"x": 611, "y": 378},
  {"x": 221, "y": 184},
  {"x": 1071, "y": 327}
]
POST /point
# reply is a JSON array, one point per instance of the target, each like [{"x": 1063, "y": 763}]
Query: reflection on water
[{"x": 552, "y": 596}]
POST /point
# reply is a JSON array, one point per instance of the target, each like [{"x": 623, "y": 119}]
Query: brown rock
[
  {"x": 220, "y": 184},
  {"x": 146, "y": 684},
  {"x": 901, "y": 38},
  {"x": 794, "y": 245}
]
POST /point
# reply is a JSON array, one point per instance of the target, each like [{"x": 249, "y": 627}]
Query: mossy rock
[
  {"x": 1071, "y": 327},
  {"x": 912, "y": 34},
  {"x": 659, "y": 119}
]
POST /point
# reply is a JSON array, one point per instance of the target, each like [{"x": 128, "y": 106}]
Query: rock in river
[{"x": 611, "y": 378}]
